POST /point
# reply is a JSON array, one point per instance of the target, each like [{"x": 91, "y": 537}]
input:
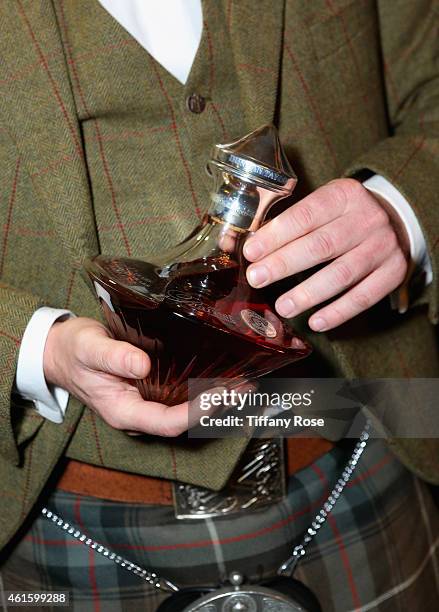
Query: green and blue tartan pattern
[{"x": 378, "y": 550}]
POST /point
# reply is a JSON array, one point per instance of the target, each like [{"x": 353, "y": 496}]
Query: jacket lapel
[
  {"x": 37, "y": 109},
  {"x": 256, "y": 33}
]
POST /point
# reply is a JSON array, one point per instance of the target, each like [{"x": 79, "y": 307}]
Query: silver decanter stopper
[{"x": 250, "y": 174}]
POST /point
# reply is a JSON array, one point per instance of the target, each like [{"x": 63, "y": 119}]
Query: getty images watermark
[
  {"x": 332, "y": 408},
  {"x": 272, "y": 404},
  {"x": 221, "y": 411}
]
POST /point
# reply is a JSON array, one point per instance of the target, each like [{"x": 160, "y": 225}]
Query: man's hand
[
  {"x": 81, "y": 357},
  {"x": 341, "y": 223}
]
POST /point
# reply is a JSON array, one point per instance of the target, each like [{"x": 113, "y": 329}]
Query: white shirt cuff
[
  {"x": 418, "y": 247},
  {"x": 30, "y": 381}
]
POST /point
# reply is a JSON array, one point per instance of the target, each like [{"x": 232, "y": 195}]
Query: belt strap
[{"x": 105, "y": 483}]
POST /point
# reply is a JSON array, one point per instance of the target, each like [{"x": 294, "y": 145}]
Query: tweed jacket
[{"x": 351, "y": 85}]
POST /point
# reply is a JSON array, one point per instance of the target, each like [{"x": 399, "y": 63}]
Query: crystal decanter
[{"x": 191, "y": 308}]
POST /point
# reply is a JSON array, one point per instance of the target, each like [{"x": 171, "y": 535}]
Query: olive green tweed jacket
[{"x": 351, "y": 85}]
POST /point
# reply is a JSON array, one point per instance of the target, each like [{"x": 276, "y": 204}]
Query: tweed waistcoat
[{"x": 347, "y": 92}]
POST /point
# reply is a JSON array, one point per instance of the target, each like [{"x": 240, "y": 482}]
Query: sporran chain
[{"x": 286, "y": 569}]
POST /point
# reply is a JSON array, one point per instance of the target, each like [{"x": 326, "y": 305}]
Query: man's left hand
[{"x": 341, "y": 223}]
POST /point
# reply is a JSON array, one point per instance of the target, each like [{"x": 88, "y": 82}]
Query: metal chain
[
  {"x": 286, "y": 569},
  {"x": 147, "y": 575}
]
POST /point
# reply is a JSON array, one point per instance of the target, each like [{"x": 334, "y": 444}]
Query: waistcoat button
[{"x": 196, "y": 103}]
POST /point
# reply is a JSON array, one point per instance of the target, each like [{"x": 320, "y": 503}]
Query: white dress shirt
[
  {"x": 170, "y": 30},
  {"x": 30, "y": 381}
]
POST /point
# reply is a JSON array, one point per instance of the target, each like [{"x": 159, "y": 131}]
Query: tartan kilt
[{"x": 377, "y": 551}]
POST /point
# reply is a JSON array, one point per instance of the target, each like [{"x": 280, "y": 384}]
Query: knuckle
[
  {"x": 375, "y": 217},
  {"x": 342, "y": 190},
  {"x": 171, "y": 430},
  {"x": 123, "y": 357},
  {"x": 351, "y": 186},
  {"x": 283, "y": 228},
  {"x": 279, "y": 264},
  {"x": 384, "y": 243},
  {"x": 321, "y": 246},
  {"x": 117, "y": 425},
  {"x": 343, "y": 274},
  {"x": 391, "y": 240},
  {"x": 335, "y": 315},
  {"x": 104, "y": 360},
  {"x": 379, "y": 216},
  {"x": 303, "y": 297},
  {"x": 367, "y": 222},
  {"x": 303, "y": 217},
  {"x": 276, "y": 229},
  {"x": 122, "y": 347},
  {"x": 113, "y": 420},
  {"x": 81, "y": 342},
  {"x": 361, "y": 301}
]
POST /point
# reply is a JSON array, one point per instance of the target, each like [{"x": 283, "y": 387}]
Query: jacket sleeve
[
  {"x": 409, "y": 158},
  {"x": 16, "y": 309}
]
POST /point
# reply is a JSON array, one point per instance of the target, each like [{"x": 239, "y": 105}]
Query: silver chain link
[
  {"x": 286, "y": 569},
  {"x": 151, "y": 577}
]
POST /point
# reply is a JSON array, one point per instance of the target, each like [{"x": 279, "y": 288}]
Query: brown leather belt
[{"x": 104, "y": 483}]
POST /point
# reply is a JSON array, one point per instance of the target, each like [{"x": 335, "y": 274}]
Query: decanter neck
[
  {"x": 250, "y": 175},
  {"x": 240, "y": 204}
]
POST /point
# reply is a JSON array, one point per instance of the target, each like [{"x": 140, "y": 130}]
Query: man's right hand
[{"x": 81, "y": 357}]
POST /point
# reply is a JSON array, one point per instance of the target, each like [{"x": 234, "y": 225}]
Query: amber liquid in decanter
[{"x": 191, "y": 309}]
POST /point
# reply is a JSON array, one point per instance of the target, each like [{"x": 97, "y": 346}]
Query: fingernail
[
  {"x": 318, "y": 324},
  {"x": 253, "y": 249},
  {"x": 136, "y": 365},
  {"x": 285, "y": 307},
  {"x": 258, "y": 276}
]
